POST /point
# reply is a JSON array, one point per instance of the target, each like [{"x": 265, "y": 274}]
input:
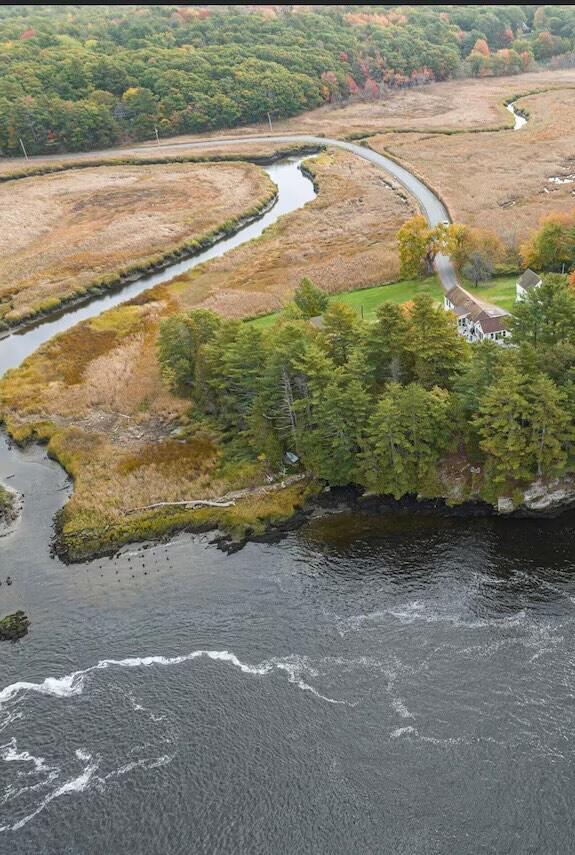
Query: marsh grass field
[
  {"x": 76, "y": 230},
  {"x": 505, "y": 183},
  {"x": 95, "y": 394}
]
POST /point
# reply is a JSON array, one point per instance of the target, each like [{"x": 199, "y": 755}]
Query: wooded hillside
[{"x": 85, "y": 77}]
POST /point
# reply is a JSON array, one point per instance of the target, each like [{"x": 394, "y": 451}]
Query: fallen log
[{"x": 190, "y": 502}]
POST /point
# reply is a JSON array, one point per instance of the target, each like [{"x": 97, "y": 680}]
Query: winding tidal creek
[{"x": 400, "y": 683}]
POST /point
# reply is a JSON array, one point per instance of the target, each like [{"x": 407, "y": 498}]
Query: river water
[
  {"x": 399, "y": 684},
  {"x": 520, "y": 120},
  {"x": 294, "y": 191},
  {"x": 392, "y": 684}
]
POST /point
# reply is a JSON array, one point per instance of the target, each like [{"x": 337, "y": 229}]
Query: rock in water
[{"x": 14, "y": 626}]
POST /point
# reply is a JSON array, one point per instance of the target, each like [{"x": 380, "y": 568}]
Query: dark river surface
[
  {"x": 399, "y": 684},
  {"x": 394, "y": 684}
]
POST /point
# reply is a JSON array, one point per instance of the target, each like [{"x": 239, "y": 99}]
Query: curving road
[{"x": 431, "y": 205}]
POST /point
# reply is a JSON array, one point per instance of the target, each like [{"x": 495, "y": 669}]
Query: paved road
[{"x": 431, "y": 206}]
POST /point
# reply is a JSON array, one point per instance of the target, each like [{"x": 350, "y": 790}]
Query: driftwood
[
  {"x": 226, "y": 501},
  {"x": 192, "y": 502}
]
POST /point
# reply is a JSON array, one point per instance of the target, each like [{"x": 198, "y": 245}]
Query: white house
[
  {"x": 526, "y": 282},
  {"x": 476, "y": 320}
]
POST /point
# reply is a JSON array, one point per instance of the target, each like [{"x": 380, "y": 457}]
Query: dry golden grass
[
  {"x": 62, "y": 233},
  {"x": 344, "y": 239},
  {"x": 96, "y": 393},
  {"x": 453, "y": 105},
  {"x": 499, "y": 180},
  {"x": 174, "y": 149}
]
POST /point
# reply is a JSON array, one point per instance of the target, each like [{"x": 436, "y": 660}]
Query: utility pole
[
  {"x": 270, "y": 121},
  {"x": 157, "y": 137},
  {"x": 23, "y": 149}
]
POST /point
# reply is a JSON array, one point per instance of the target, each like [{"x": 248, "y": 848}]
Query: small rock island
[{"x": 14, "y": 626}]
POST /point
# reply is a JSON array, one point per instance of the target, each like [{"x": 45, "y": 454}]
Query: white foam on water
[
  {"x": 403, "y": 731},
  {"x": 294, "y": 669},
  {"x": 355, "y": 622},
  {"x": 73, "y": 785},
  {"x": 144, "y": 763},
  {"x": 138, "y": 707},
  {"x": 77, "y": 784},
  {"x": 416, "y": 611},
  {"x": 400, "y": 708},
  {"x": 63, "y": 687},
  {"x": 410, "y": 731},
  {"x": 10, "y": 754},
  {"x": 70, "y": 685},
  {"x": 73, "y": 684},
  {"x": 9, "y": 718}
]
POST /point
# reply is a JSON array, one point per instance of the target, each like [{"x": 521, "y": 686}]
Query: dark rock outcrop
[{"x": 14, "y": 626}]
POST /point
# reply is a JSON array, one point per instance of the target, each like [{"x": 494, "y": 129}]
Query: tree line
[
  {"x": 478, "y": 253},
  {"x": 393, "y": 405},
  {"x": 82, "y": 77}
]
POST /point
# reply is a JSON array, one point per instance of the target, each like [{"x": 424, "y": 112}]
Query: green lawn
[
  {"x": 368, "y": 299},
  {"x": 500, "y": 291}
]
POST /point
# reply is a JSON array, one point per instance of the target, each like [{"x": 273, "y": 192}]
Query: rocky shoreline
[{"x": 542, "y": 501}]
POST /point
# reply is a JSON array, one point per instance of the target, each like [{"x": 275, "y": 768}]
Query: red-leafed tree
[
  {"x": 481, "y": 47},
  {"x": 352, "y": 86}
]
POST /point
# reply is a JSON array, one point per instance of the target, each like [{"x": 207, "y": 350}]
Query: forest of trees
[
  {"x": 84, "y": 77},
  {"x": 385, "y": 405}
]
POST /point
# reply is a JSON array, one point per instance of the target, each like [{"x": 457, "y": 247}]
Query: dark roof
[
  {"x": 529, "y": 279},
  {"x": 467, "y": 306},
  {"x": 459, "y": 297},
  {"x": 491, "y": 323}
]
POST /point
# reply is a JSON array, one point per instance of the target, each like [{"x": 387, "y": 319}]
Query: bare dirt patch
[{"x": 63, "y": 233}]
